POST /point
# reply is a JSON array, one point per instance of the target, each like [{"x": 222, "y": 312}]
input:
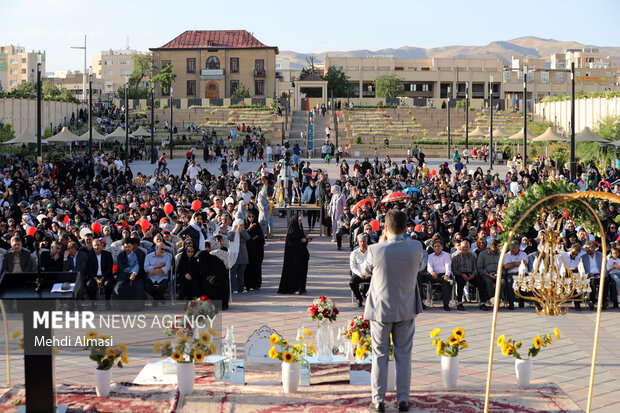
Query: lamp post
[
  {"x": 84, "y": 77},
  {"x": 39, "y": 153},
  {"x": 491, "y": 152},
  {"x": 524, "y": 117},
  {"x": 449, "y": 136},
  {"x": 573, "y": 163},
  {"x": 171, "y": 140},
  {"x": 467, "y": 115},
  {"x": 153, "y": 160},
  {"x": 126, "y": 124},
  {"x": 90, "y": 117}
]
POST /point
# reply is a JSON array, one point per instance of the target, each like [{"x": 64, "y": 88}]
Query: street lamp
[
  {"x": 524, "y": 117},
  {"x": 491, "y": 152},
  {"x": 39, "y": 153},
  {"x": 171, "y": 127},
  {"x": 126, "y": 123},
  {"x": 467, "y": 115},
  {"x": 573, "y": 163},
  {"x": 153, "y": 160},
  {"x": 90, "y": 117},
  {"x": 84, "y": 77},
  {"x": 449, "y": 136}
]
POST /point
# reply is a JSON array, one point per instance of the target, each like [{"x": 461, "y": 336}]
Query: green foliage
[
  {"x": 559, "y": 153},
  {"x": 165, "y": 78},
  {"x": 241, "y": 92},
  {"x": 580, "y": 94},
  {"x": 358, "y": 140},
  {"x": 508, "y": 151},
  {"x": 338, "y": 84},
  {"x": 49, "y": 89},
  {"x": 538, "y": 128},
  {"x": 460, "y": 104},
  {"x": 7, "y": 133},
  {"x": 388, "y": 86},
  {"x": 608, "y": 128},
  {"x": 156, "y": 103},
  {"x": 47, "y": 133}
]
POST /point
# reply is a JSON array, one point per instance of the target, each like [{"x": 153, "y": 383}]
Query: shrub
[{"x": 358, "y": 140}]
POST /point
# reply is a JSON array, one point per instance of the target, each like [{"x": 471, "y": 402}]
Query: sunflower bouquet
[
  {"x": 363, "y": 345},
  {"x": 187, "y": 349},
  {"x": 512, "y": 348},
  {"x": 357, "y": 325},
  {"x": 282, "y": 350},
  {"x": 104, "y": 355},
  {"x": 450, "y": 348}
]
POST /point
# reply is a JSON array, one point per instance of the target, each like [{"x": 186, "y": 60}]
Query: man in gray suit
[{"x": 391, "y": 306}]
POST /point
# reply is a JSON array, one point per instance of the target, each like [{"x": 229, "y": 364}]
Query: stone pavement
[{"x": 566, "y": 362}]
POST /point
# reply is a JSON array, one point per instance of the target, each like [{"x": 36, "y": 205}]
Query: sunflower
[
  {"x": 91, "y": 334},
  {"x": 18, "y": 333},
  {"x": 459, "y": 333},
  {"x": 306, "y": 332},
  {"x": 274, "y": 339},
  {"x": 122, "y": 348},
  {"x": 212, "y": 348},
  {"x": 182, "y": 340},
  {"x": 110, "y": 351},
  {"x": 359, "y": 353},
  {"x": 177, "y": 356},
  {"x": 296, "y": 346},
  {"x": 464, "y": 344},
  {"x": 124, "y": 358},
  {"x": 311, "y": 346},
  {"x": 537, "y": 342},
  {"x": 556, "y": 332},
  {"x": 273, "y": 353},
  {"x": 500, "y": 340},
  {"x": 204, "y": 338},
  {"x": 166, "y": 344},
  {"x": 549, "y": 339},
  {"x": 355, "y": 337},
  {"x": 284, "y": 343},
  {"x": 199, "y": 356},
  {"x": 453, "y": 341},
  {"x": 507, "y": 349},
  {"x": 212, "y": 331},
  {"x": 435, "y": 332},
  {"x": 104, "y": 337},
  {"x": 439, "y": 348},
  {"x": 288, "y": 357},
  {"x": 156, "y": 347}
]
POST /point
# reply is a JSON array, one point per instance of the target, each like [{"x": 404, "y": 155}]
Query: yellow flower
[
  {"x": 453, "y": 341},
  {"x": 355, "y": 337},
  {"x": 212, "y": 348},
  {"x": 20, "y": 345},
  {"x": 182, "y": 340},
  {"x": 204, "y": 338},
  {"x": 17, "y": 334},
  {"x": 359, "y": 353},
  {"x": 104, "y": 337},
  {"x": 311, "y": 346},
  {"x": 300, "y": 337},
  {"x": 110, "y": 351},
  {"x": 439, "y": 348},
  {"x": 557, "y": 333},
  {"x": 156, "y": 347},
  {"x": 91, "y": 334},
  {"x": 459, "y": 333},
  {"x": 273, "y": 353},
  {"x": 284, "y": 343},
  {"x": 274, "y": 339},
  {"x": 288, "y": 357},
  {"x": 537, "y": 342},
  {"x": 435, "y": 332},
  {"x": 464, "y": 344},
  {"x": 122, "y": 348},
  {"x": 177, "y": 356},
  {"x": 296, "y": 346},
  {"x": 166, "y": 344},
  {"x": 549, "y": 339},
  {"x": 212, "y": 331},
  {"x": 124, "y": 358},
  {"x": 306, "y": 332},
  {"x": 500, "y": 340},
  {"x": 518, "y": 345},
  {"x": 199, "y": 356}
]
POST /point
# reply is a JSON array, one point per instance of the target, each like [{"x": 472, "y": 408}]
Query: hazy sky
[{"x": 302, "y": 26}]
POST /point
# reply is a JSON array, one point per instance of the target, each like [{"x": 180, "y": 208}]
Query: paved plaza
[{"x": 566, "y": 362}]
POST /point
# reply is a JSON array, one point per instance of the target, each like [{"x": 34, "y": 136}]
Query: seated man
[
  {"x": 18, "y": 259},
  {"x": 592, "y": 262},
  {"x": 572, "y": 258},
  {"x": 356, "y": 261},
  {"x": 130, "y": 272},
  {"x": 511, "y": 264},
  {"x": 438, "y": 268},
  {"x": 465, "y": 270},
  {"x": 99, "y": 271},
  {"x": 157, "y": 268},
  {"x": 487, "y": 264},
  {"x": 344, "y": 225},
  {"x": 51, "y": 261}
]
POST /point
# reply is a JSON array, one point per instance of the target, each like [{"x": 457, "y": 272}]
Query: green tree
[
  {"x": 338, "y": 83},
  {"x": 49, "y": 89},
  {"x": 7, "y": 133},
  {"x": 388, "y": 86},
  {"x": 165, "y": 78},
  {"x": 143, "y": 68},
  {"x": 241, "y": 92}
]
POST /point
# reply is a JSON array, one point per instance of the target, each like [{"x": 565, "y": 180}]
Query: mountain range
[{"x": 504, "y": 49}]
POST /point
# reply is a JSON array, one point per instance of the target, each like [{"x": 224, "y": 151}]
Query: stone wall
[
  {"x": 22, "y": 113},
  {"x": 588, "y": 112}
]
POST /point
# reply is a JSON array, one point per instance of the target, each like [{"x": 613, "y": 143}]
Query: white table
[{"x": 164, "y": 371}]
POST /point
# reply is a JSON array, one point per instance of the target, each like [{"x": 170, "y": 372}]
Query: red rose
[
  {"x": 325, "y": 313},
  {"x": 352, "y": 323},
  {"x": 335, "y": 311},
  {"x": 365, "y": 324},
  {"x": 313, "y": 311},
  {"x": 203, "y": 298},
  {"x": 322, "y": 298}
]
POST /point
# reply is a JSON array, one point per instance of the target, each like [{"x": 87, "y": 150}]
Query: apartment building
[
  {"x": 18, "y": 66},
  {"x": 213, "y": 63},
  {"x": 73, "y": 81},
  {"x": 113, "y": 66}
]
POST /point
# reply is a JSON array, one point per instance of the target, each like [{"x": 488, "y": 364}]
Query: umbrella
[
  {"x": 411, "y": 189},
  {"x": 65, "y": 135},
  {"x": 549, "y": 136},
  {"x": 361, "y": 204},
  {"x": 118, "y": 133},
  {"x": 478, "y": 133},
  {"x": 519, "y": 137},
  {"x": 96, "y": 136},
  {"x": 140, "y": 132},
  {"x": 586, "y": 135},
  {"x": 394, "y": 197},
  {"x": 25, "y": 137},
  {"x": 499, "y": 133}
]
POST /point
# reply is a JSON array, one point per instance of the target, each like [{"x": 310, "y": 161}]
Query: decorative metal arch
[{"x": 558, "y": 199}]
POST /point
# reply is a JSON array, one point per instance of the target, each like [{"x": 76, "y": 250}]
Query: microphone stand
[{"x": 39, "y": 281}]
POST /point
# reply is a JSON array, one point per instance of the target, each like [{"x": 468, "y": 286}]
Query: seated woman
[{"x": 188, "y": 274}]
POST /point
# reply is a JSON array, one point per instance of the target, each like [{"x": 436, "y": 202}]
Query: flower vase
[
  {"x": 391, "y": 378},
  {"x": 523, "y": 371},
  {"x": 103, "y": 379},
  {"x": 449, "y": 371},
  {"x": 185, "y": 377},
  {"x": 291, "y": 373},
  {"x": 323, "y": 341}
]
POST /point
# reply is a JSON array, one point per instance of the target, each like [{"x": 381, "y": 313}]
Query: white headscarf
[
  {"x": 201, "y": 242},
  {"x": 233, "y": 249}
]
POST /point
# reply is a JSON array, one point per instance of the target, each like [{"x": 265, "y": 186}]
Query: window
[
  {"x": 13, "y": 71},
  {"x": 259, "y": 87},
  {"x": 191, "y": 65},
  {"x": 13, "y": 61},
  {"x": 234, "y": 65},
  {"x": 353, "y": 68},
  {"x": 413, "y": 87},
  {"x": 191, "y": 88},
  {"x": 259, "y": 65},
  {"x": 234, "y": 84},
  {"x": 398, "y": 68},
  {"x": 164, "y": 64},
  {"x": 368, "y": 68},
  {"x": 608, "y": 74},
  {"x": 530, "y": 77},
  {"x": 124, "y": 62},
  {"x": 507, "y": 76},
  {"x": 108, "y": 72},
  {"x": 425, "y": 87},
  {"x": 213, "y": 62},
  {"x": 13, "y": 82},
  {"x": 125, "y": 72},
  {"x": 383, "y": 68},
  {"x": 23, "y": 71},
  {"x": 544, "y": 77},
  {"x": 560, "y": 77},
  {"x": 108, "y": 63}
]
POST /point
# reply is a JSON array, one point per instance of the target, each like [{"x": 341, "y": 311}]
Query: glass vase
[{"x": 323, "y": 342}]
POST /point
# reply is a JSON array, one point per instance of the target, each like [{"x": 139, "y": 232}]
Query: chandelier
[{"x": 551, "y": 282}]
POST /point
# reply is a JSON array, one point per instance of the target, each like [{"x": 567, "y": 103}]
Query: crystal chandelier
[{"x": 551, "y": 282}]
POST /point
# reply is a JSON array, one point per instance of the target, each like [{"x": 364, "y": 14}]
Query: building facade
[
  {"x": 20, "y": 66},
  {"x": 213, "y": 63},
  {"x": 73, "y": 81},
  {"x": 112, "y": 67}
]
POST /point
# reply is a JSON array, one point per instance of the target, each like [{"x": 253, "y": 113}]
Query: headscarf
[
  {"x": 233, "y": 249},
  {"x": 202, "y": 240}
]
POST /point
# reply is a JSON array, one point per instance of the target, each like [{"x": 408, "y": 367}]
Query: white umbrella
[
  {"x": 519, "y": 137},
  {"x": 118, "y": 133},
  {"x": 586, "y": 135},
  {"x": 140, "y": 132},
  {"x": 96, "y": 136},
  {"x": 25, "y": 137},
  {"x": 549, "y": 136},
  {"x": 65, "y": 135}
]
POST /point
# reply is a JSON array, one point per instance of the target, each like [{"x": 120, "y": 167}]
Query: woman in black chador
[
  {"x": 296, "y": 256},
  {"x": 256, "y": 252}
]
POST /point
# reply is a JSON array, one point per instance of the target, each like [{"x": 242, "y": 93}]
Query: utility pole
[
  {"x": 84, "y": 73},
  {"x": 573, "y": 163},
  {"x": 126, "y": 124},
  {"x": 171, "y": 139},
  {"x": 524, "y": 117},
  {"x": 467, "y": 115},
  {"x": 39, "y": 151},
  {"x": 491, "y": 152},
  {"x": 153, "y": 158},
  {"x": 449, "y": 136},
  {"x": 90, "y": 117}
]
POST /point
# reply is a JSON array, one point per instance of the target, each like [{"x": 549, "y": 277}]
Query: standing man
[{"x": 391, "y": 306}]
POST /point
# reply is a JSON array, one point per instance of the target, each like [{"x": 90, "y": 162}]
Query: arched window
[
  {"x": 213, "y": 86},
  {"x": 213, "y": 62}
]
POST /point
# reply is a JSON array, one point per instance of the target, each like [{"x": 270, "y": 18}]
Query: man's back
[{"x": 394, "y": 266}]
